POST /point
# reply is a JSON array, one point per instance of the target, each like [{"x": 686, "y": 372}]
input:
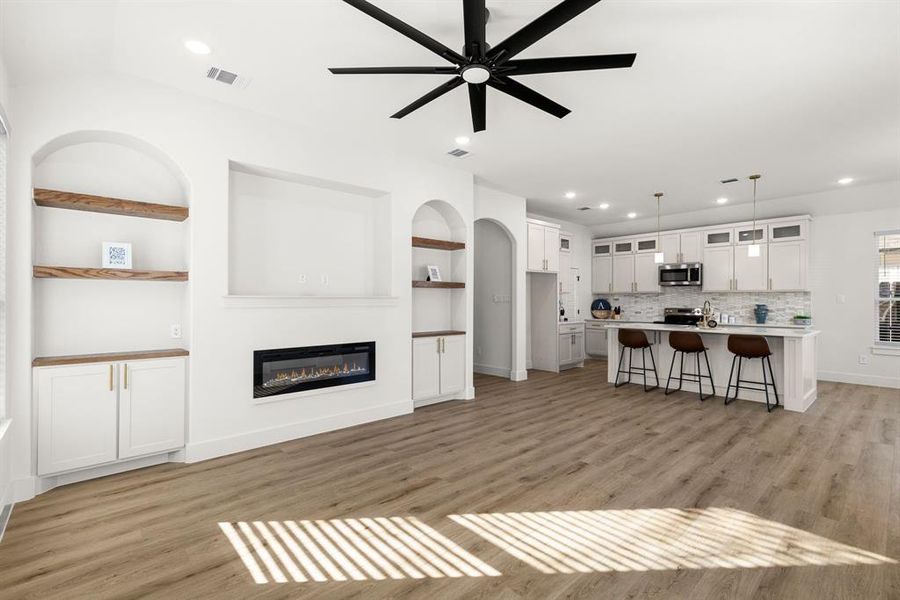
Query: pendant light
[
  {"x": 658, "y": 255},
  {"x": 753, "y": 248}
]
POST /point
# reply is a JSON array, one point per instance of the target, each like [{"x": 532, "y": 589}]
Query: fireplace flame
[{"x": 292, "y": 376}]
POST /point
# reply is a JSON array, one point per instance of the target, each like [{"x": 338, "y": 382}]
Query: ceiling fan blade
[
  {"x": 527, "y": 95},
  {"x": 554, "y": 18},
  {"x": 474, "y": 23},
  {"x": 478, "y": 103},
  {"x": 410, "y": 32},
  {"x": 559, "y": 64},
  {"x": 433, "y": 94},
  {"x": 394, "y": 70}
]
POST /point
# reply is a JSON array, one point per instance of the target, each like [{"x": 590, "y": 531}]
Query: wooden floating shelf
[
  {"x": 421, "y": 242},
  {"x": 110, "y": 206},
  {"x": 444, "y": 333},
  {"x": 438, "y": 284},
  {"x": 78, "y": 359},
  {"x": 44, "y": 272}
]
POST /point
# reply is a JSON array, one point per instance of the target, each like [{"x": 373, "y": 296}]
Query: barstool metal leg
[
  {"x": 619, "y": 368},
  {"x": 737, "y": 383},
  {"x": 762, "y": 363},
  {"x": 655, "y": 374},
  {"x": 730, "y": 376},
  {"x": 669, "y": 378},
  {"x": 708, "y": 370},
  {"x": 699, "y": 378},
  {"x": 772, "y": 374}
]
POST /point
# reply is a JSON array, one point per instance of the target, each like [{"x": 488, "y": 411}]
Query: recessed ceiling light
[
  {"x": 632, "y": 215},
  {"x": 721, "y": 200},
  {"x": 197, "y": 47},
  {"x": 570, "y": 195},
  {"x": 845, "y": 180},
  {"x": 603, "y": 206},
  {"x": 462, "y": 140}
]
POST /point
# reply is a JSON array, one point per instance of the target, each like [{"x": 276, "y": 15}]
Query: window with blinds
[{"x": 887, "y": 295}]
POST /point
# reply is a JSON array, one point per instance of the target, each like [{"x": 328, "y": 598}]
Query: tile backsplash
[{"x": 649, "y": 307}]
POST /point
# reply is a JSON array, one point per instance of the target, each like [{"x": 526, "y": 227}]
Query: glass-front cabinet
[{"x": 748, "y": 235}]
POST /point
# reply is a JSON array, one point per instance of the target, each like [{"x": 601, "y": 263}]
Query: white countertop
[{"x": 720, "y": 330}]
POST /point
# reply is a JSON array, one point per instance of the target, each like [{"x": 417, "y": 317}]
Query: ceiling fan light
[{"x": 475, "y": 74}]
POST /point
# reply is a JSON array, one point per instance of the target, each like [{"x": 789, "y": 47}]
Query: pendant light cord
[{"x": 754, "y": 178}]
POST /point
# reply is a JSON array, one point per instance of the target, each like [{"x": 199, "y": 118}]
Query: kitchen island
[{"x": 793, "y": 359}]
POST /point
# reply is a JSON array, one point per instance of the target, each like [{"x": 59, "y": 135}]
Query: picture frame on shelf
[
  {"x": 434, "y": 273},
  {"x": 117, "y": 255}
]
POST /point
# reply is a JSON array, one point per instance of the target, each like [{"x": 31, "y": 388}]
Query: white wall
[
  {"x": 5, "y": 436},
  {"x": 843, "y": 268},
  {"x": 509, "y": 211},
  {"x": 202, "y": 137},
  {"x": 493, "y": 313}
]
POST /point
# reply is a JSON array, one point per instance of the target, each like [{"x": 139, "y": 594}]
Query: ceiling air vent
[
  {"x": 227, "y": 77},
  {"x": 583, "y": 208},
  {"x": 459, "y": 153},
  {"x": 732, "y": 180}
]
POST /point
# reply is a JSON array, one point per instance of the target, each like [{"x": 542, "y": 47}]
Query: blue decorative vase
[{"x": 762, "y": 313}]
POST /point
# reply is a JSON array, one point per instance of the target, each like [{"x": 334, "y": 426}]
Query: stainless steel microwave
[{"x": 681, "y": 274}]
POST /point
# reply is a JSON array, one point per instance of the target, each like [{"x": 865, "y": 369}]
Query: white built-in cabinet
[
  {"x": 543, "y": 246},
  {"x": 439, "y": 368},
  {"x": 633, "y": 268},
  {"x": 571, "y": 345},
  {"x": 99, "y": 413},
  {"x": 625, "y": 265}
]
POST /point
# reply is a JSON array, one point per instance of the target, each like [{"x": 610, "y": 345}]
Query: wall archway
[{"x": 495, "y": 300}]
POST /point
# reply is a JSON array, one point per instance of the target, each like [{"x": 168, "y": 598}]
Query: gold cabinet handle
[
  {"x": 110, "y": 378},
  {"x": 770, "y": 283},
  {"x": 126, "y": 376},
  {"x": 438, "y": 340}
]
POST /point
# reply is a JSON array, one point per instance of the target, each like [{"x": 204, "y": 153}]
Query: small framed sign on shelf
[
  {"x": 434, "y": 273},
  {"x": 116, "y": 255}
]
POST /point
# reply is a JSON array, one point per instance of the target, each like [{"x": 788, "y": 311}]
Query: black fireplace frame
[{"x": 262, "y": 356}]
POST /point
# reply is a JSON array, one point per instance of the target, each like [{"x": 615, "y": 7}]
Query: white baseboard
[
  {"x": 519, "y": 375},
  {"x": 22, "y": 489},
  {"x": 5, "y": 512},
  {"x": 48, "y": 482},
  {"x": 876, "y": 380},
  {"x": 199, "y": 451},
  {"x": 491, "y": 370}
]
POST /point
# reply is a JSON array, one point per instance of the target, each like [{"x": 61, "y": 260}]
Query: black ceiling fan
[{"x": 481, "y": 65}]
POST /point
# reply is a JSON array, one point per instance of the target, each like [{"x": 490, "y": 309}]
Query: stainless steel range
[{"x": 681, "y": 316}]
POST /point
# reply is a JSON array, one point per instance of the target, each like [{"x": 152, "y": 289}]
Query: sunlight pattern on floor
[
  {"x": 656, "y": 539},
  {"x": 349, "y": 549}
]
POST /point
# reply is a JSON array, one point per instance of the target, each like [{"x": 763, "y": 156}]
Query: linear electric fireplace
[{"x": 289, "y": 370}]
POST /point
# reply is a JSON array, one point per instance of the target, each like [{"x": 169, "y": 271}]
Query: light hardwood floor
[{"x": 566, "y": 442}]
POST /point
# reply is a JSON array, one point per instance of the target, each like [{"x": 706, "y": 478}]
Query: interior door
[
  {"x": 453, "y": 364},
  {"x": 551, "y": 248},
  {"x": 751, "y": 273},
  {"x": 787, "y": 266},
  {"x": 623, "y": 273},
  {"x": 535, "y": 247},
  {"x": 151, "y": 406},
  {"x": 718, "y": 268},
  {"x": 426, "y": 380},
  {"x": 691, "y": 246},
  {"x": 76, "y": 416},
  {"x": 646, "y": 273},
  {"x": 601, "y": 274}
]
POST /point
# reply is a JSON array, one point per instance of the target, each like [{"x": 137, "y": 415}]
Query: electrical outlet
[
  {"x": 301, "y": 278},
  {"x": 324, "y": 279},
  {"x": 841, "y": 299},
  {"x": 175, "y": 331},
  {"x": 863, "y": 359}
]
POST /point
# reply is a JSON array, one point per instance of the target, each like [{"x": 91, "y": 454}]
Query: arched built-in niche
[
  {"x": 100, "y": 186},
  {"x": 435, "y": 306},
  {"x": 494, "y": 298}
]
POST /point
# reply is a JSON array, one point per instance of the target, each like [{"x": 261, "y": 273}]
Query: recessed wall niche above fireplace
[{"x": 290, "y": 370}]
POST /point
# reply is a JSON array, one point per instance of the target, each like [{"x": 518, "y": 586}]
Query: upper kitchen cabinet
[
  {"x": 744, "y": 235},
  {"x": 646, "y": 244},
  {"x": 718, "y": 269},
  {"x": 601, "y": 267},
  {"x": 788, "y": 266},
  {"x": 718, "y": 237},
  {"x": 543, "y": 246},
  {"x": 751, "y": 273},
  {"x": 682, "y": 247},
  {"x": 788, "y": 231}
]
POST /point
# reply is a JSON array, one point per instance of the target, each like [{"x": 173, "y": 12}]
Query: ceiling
[{"x": 804, "y": 92}]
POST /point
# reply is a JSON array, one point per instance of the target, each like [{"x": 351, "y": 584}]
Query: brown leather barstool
[
  {"x": 750, "y": 347},
  {"x": 635, "y": 339},
  {"x": 688, "y": 342}
]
